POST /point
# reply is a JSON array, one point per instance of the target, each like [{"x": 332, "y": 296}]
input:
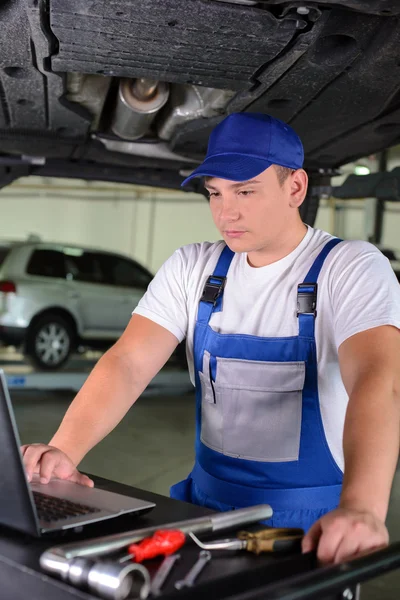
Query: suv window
[
  {"x": 84, "y": 266},
  {"x": 4, "y": 250},
  {"x": 124, "y": 272},
  {"x": 46, "y": 263}
]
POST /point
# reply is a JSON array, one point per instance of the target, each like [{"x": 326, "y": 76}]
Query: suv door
[
  {"x": 94, "y": 299},
  {"x": 105, "y": 307},
  {"x": 44, "y": 284},
  {"x": 129, "y": 281}
]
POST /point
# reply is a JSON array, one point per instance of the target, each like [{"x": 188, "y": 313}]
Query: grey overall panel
[{"x": 253, "y": 408}]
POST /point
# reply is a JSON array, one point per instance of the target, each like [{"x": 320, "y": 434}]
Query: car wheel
[{"x": 50, "y": 342}]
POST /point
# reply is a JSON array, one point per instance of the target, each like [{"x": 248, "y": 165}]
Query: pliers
[{"x": 271, "y": 539}]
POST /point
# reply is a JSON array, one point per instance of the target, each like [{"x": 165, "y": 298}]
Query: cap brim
[{"x": 234, "y": 167}]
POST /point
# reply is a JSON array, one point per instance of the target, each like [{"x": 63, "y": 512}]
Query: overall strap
[
  {"x": 307, "y": 292},
  {"x": 211, "y": 299}
]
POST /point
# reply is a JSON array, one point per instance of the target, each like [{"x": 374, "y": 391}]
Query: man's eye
[
  {"x": 213, "y": 194},
  {"x": 246, "y": 192}
]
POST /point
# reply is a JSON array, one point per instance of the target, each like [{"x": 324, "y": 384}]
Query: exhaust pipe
[{"x": 138, "y": 102}]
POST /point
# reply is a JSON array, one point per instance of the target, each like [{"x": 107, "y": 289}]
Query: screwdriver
[{"x": 162, "y": 543}]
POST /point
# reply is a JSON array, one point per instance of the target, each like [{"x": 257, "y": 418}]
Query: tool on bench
[
  {"x": 266, "y": 540},
  {"x": 188, "y": 581},
  {"x": 73, "y": 562},
  {"x": 109, "y": 579},
  {"x": 54, "y": 559},
  {"x": 163, "y": 572},
  {"x": 163, "y": 542}
]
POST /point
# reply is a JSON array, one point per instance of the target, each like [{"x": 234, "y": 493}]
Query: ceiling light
[{"x": 362, "y": 170}]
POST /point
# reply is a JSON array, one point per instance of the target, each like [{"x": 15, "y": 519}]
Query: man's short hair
[{"x": 283, "y": 173}]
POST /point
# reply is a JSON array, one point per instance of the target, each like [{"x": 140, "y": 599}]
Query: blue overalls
[{"x": 259, "y": 432}]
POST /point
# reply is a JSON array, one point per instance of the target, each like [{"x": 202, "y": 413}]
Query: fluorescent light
[
  {"x": 73, "y": 251},
  {"x": 361, "y": 170}
]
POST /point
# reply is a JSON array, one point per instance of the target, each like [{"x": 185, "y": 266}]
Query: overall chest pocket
[{"x": 253, "y": 409}]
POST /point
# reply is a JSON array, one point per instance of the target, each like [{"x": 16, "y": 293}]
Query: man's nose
[{"x": 229, "y": 209}]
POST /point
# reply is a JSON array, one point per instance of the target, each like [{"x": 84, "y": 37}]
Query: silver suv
[{"x": 55, "y": 298}]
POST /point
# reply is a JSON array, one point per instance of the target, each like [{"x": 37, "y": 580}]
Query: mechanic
[{"x": 293, "y": 345}]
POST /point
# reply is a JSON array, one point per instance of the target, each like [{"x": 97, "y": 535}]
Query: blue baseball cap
[{"x": 243, "y": 145}]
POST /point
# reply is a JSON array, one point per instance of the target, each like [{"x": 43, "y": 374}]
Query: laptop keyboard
[{"x": 54, "y": 509}]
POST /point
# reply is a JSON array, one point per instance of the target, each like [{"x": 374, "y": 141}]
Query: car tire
[{"x": 50, "y": 342}]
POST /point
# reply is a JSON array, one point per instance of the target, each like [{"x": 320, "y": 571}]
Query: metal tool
[
  {"x": 266, "y": 540},
  {"x": 56, "y": 560},
  {"x": 108, "y": 579},
  {"x": 188, "y": 581},
  {"x": 162, "y": 573},
  {"x": 226, "y": 544}
]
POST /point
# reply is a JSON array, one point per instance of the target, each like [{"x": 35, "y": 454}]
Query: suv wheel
[{"x": 50, "y": 342}]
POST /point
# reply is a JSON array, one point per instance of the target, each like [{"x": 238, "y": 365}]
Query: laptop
[{"x": 37, "y": 508}]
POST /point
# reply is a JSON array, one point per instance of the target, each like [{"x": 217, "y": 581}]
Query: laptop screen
[{"x": 16, "y": 500}]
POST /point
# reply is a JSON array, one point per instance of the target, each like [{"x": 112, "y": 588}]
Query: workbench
[{"x": 234, "y": 576}]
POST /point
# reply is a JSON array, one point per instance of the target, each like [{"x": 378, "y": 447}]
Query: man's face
[{"x": 254, "y": 214}]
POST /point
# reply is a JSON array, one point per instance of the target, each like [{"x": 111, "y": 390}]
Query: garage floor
[{"x": 153, "y": 448}]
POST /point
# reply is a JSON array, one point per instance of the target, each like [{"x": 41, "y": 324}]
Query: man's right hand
[{"x": 48, "y": 461}]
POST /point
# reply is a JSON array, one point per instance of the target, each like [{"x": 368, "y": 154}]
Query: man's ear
[{"x": 298, "y": 188}]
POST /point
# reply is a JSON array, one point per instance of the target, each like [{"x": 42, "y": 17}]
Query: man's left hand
[{"x": 343, "y": 533}]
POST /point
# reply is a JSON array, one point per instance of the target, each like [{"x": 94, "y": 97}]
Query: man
[{"x": 293, "y": 344}]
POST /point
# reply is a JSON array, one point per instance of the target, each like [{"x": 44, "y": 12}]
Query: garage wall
[
  {"x": 140, "y": 222},
  {"x": 353, "y": 219},
  {"x": 149, "y": 224}
]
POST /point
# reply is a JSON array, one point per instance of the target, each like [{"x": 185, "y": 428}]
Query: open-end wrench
[
  {"x": 188, "y": 581},
  {"x": 162, "y": 573}
]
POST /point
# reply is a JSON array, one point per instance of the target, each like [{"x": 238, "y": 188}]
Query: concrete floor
[{"x": 152, "y": 448}]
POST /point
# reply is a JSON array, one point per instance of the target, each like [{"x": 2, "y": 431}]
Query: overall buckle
[
  {"x": 213, "y": 289},
  {"x": 307, "y": 299}
]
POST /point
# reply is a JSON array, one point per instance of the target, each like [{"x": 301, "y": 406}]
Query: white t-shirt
[{"x": 357, "y": 290}]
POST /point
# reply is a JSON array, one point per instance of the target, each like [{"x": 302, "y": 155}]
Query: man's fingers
[
  {"x": 310, "y": 540},
  {"x": 346, "y": 549},
  {"x": 50, "y": 462},
  {"x": 325, "y": 536},
  {"x": 330, "y": 541},
  {"x": 77, "y": 477},
  {"x": 85, "y": 480},
  {"x": 32, "y": 456},
  {"x": 361, "y": 540},
  {"x": 344, "y": 533},
  {"x": 47, "y": 466},
  {"x": 23, "y": 448}
]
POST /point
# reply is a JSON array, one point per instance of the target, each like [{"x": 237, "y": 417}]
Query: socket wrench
[{"x": 108, "y": 579}]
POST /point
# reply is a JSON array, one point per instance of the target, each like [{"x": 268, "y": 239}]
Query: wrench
[
  {"x": 188, "y": 581},
  {"x": 162, "y": 573}
]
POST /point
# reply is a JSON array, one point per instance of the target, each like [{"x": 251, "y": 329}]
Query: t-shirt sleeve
[
  {"x": 165, "y": 301},
  {"x": 365, "y": 292}
]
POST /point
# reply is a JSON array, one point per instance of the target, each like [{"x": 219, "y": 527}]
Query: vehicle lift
[{"x": 19, "y": 375}]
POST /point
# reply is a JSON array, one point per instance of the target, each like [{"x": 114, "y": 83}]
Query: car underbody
[{"x": 130, "y": 90}]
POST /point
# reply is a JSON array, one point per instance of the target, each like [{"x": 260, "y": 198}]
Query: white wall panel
[
  {"x": 180, "y": 222},
  {"x": 140, "y": 222},
  {"x": 147, "y": 224}
]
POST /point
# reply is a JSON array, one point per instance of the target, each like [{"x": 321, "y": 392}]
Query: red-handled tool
[{"x": 162, "y": 543}]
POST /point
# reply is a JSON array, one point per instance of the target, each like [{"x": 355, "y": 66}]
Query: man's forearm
[
  {"x": 371, "y": 444},
  {"x": 106, "y": 396}
]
